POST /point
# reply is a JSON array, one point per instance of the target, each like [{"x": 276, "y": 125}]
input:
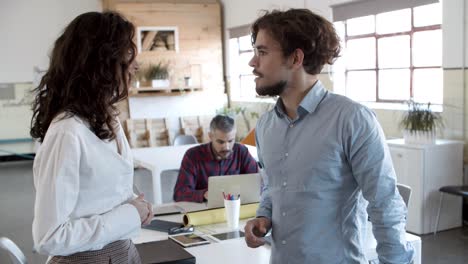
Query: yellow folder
[{"x": 214, "y": 216}]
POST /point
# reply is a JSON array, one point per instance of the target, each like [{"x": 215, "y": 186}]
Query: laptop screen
[{"x": 246, "y": 185}]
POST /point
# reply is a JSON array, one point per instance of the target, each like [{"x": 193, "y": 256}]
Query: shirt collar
[{"x": 308, "y": 104}]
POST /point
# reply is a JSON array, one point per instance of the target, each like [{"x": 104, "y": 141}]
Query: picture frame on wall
[{"x": 150, "y": 39}]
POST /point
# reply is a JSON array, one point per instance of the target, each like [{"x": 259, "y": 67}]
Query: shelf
[{"x": 149, "y": 91}]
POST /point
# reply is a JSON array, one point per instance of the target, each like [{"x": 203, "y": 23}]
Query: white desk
[
  {"x": 159, "y": 159},
  {"x": 236, "y": 251}
]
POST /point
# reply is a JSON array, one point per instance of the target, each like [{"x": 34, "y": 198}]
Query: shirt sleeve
[
  {"x": 265, "y": 207},
  {"x": 368, "y": 154},
  {"x": 56, "y": 231},
  {"x": 248, "y": 163},
  {"x": 185, "y": 188}
]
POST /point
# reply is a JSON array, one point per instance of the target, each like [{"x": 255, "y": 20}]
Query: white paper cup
[{"x": 232, "y": 210}]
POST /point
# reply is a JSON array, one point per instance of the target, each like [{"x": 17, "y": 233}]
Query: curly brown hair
[
  {"x": 301, "y": 29},
  {"x": 88, "y": 73}
]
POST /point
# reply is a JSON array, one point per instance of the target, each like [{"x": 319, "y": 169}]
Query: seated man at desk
[{"x": 222, "y": 156}]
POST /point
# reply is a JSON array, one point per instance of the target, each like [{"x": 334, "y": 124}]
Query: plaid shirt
[{"x": 199, "y": 163}]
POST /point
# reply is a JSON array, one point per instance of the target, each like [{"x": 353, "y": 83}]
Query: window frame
[{"x": 376, "y": 37}]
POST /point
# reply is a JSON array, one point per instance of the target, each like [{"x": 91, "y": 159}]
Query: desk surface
[{"x": 236, "y": 251}]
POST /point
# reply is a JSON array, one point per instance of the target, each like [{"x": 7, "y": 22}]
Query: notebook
[
  {"x": 247, "y": 185},
  {"x": 164, "y": 252}
]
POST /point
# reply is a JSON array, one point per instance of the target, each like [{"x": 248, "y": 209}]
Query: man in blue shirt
[{"x": 324, "y": 156}]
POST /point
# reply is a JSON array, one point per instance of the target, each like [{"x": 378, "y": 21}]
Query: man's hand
[
  {"x": 205, "y": 195},
  {"x": 255, "y": 230}
]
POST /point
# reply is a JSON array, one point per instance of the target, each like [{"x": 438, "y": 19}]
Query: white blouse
[{"x": 82, "y": 188}]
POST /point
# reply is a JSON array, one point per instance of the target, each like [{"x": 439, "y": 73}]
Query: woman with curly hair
[{"x": 85, "y": 210}]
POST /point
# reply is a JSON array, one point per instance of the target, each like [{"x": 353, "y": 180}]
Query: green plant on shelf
[{"x": 158, "y": 71}]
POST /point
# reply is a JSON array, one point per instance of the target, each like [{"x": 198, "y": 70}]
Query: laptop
[{"x": 247, "y": 185}]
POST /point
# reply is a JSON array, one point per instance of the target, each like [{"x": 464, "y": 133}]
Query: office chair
[
  {"x": 405, "y": 192},
  {"x": 168, "y": 182},
  {"x": 460, "y": 190},
  {"x": 185, "y": 140},
  {"x": 16, "y": 255}
]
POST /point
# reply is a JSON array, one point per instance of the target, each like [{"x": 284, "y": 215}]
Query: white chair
[
  {"x": 16, "y": 255},
  {"x": 405, "y": 192},
  {"x": 185, "y": 140},
  {"x": 168, "y": 182}
]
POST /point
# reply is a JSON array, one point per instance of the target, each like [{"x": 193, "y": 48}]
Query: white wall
[{"x": 29, "y": 28}]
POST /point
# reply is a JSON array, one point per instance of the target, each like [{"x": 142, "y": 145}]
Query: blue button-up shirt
[{"x": 322, "y": 171}]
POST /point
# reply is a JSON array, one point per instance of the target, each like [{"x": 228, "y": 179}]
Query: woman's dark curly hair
[
  {"x": 89, "y": 72},
  {"x": 301, "y": 29}
]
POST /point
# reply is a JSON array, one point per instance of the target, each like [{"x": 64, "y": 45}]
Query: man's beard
[{"x": 271, "y": 90}]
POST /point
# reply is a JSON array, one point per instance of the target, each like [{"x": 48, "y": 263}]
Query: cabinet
[{"x": 426, "y": 168}]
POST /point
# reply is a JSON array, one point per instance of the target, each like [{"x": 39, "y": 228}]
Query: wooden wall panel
[{"x": 200, "y": 41}]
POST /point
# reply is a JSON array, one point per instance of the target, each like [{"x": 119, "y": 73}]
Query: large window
[
  {"x": 392, "y": 56},
  {"x": 241, "y": 80}
]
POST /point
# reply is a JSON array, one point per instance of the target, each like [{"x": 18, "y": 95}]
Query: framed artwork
[{"x": 157, "y": 39}]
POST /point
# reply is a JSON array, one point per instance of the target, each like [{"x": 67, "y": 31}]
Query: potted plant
[
  {"x": 158, "y": 74},
  {"x": 420, "y": 124}
]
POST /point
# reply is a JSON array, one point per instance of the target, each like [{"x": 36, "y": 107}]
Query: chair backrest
[
  {"x": 250, "y": 138},
  {"x": 158, "y": 133},
  {"x": 147, "y": 132},
  {"x": 190, "y": 125},
  {"x": 185, "y": 140},
  {"x": 168, "y": 182},
  {"x": 405, "y": 192},
  {"x": 16, "y": 255}
]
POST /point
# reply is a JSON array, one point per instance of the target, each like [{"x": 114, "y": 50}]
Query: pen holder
[{"x": 232, "y": 209}]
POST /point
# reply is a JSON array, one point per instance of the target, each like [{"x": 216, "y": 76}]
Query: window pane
[
  {"x": 244, "y": 59},
  {"x": 394, "y": 52},
  {"x": 360, "y": 25},
  {"x": 234, "y": 67},
  {"x": 245, "y": 43},
  {"x": 427, "y": 48},
  {"x": 360, "y": 53},
  {"x": 339, "y": 28},
  {"x": 428, "y": 15},
  {"x": 360, "y": 86},
  {"x": 395, "y": 21},
  {"x": 247, "y": 83},
  {"x": 394, "y": 84},
  {"x": 427, "y": 86}
]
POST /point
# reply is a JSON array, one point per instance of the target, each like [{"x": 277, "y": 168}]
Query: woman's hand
[{"x": 144, "y": 208}]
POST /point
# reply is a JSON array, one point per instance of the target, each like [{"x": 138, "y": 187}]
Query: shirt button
[
  {"x": 291, "y": 125},
  {"x": 284, "y": 213},
  {"x": 285, "y": 183},
  {"x": 283, "y": 242},
  {"x": 286, "y": 154}
]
